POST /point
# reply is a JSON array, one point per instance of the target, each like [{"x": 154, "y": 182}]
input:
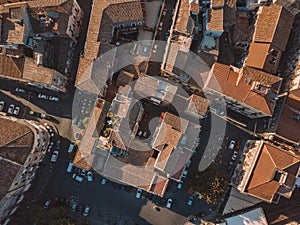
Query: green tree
[
  {"x": 85, "y": 121},
  {"x": 211, "y": 183},
  {"x": 38, "y": 215}
]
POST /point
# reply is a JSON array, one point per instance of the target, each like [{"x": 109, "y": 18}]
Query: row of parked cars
[
  {"x": 41, "y": 96},
  {"x": 12, "y": 109},
  {"x": 72, "y": 204}
]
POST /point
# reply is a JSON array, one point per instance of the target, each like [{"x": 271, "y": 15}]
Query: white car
[
  {"x": 16, "y": 111},
  {"x": 54, "y": 98},
  {"x": 1, "y": 105},
  {"x": 164, "y": 12},
  {"x": 184, "y": 174},
  {"x": 234, "y": 155},
  {"x": 103, "y": 181},
  {"x": 10, "y": 109},
  {"x": 169, "y": 203},
  {"x": 190, "y": 201},
  {"x": 54, "y": 156},
  {"x": 42, "y": 96},
  {"x": 154, "y": 50},
  {"x": 47, "y": 204},
  {"x": 77, "y": 178},
  {"x": 89, "y": 176},
  {"x": 86, "y": 211},
  {"x": 179, "y": 186},
  {"x": 139, "y": 193},
  {"x": 20, "y": 90},
  {"x": 160, "y": 26},
  {"x": 231, "y": 145}
]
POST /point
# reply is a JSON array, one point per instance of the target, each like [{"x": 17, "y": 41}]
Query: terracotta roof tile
[
  {"x": 215, "y": 22},
  {"x": 271, "y": 159},
  {"x": 258, "y": 53},
  {"x": 11, "y": 67},
  {"x": 288, "y": 128},
  {"x": 45, "y": 3},
  {"x": 159, "y": 185},
  {"x": 195, "y": 8},
  {"x": 182, "y": 16},
  {"x": 198, "y": 104},
  {"x": 175, "y": 122},
  {"x": 103, "y": 15},
  {"x": 239, "y": 85},
  {"x": 84, "y": 157},
  {"x": 273, "y": 25},
  {"x": 217, "y": 3},
  {"x": 265, "y": 191}
]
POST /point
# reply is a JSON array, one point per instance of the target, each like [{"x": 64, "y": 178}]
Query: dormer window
[{"x": 280, "y": 176}]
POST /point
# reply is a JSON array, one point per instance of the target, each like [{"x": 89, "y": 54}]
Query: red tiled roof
[
  {"x": 103, "y": 15},
  {"x": 159, "y": 185},
  {"x": 272, "y": 159},
  {"x": 274, "y": 24},
  {"x": 239, "y": 85},
  {"x": 258, "y": 53},
  {"x": 289, "y": 128}
]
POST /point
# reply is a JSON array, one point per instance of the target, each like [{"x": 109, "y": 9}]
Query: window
[{"x": 133, "y": 24}]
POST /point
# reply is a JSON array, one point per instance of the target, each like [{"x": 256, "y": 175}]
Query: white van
[
  {"x": 70, "y": 167},
  {"x": 71, "y": 146}
]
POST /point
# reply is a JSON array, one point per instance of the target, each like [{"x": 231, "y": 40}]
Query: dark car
[
  {"x": 154, "y": 197},
  {"x": 36, "y": 114},
  {"x": 44, "y": 116}
]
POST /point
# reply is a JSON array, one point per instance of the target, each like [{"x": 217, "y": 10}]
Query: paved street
[{"x": 157, "y": 57}]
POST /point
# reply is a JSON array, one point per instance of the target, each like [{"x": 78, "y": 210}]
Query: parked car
[
  {"x": 10, "y": 109},
  {"x": 20, "y": 90},
  {"x": 71, "y": 146},
  {"x": 77, "y": 178},
  {"x": 44, "y": 116},
  {"x": 231, "y": 145},
  {"x": 70, "y": 167},
  {"x": 234, "y": 155},
  {"x": 169, "y": 203},
  {"x": 179, "y": 186},
  {"x": 54, "y": 98},
  {"x": 164, "y": 12},
  {"x": 74, "y": 206},
  {"x": 43, "y": 96},
  {"x": 188, "y": 163},
  {"x": 82, "y": 172},
  {"x": 190, "y": 200},
  {"x": 86, "y": 211},
  {"x": 1, "y": 105},
  {"x": 160, "y": 26},
  {"x": 89, "y": 176},
  {"x": 184, "y": 174},
  {"x": 54, "y": 156},
  {"x": 154, "y": 50},
  {"x": 47, "y": 204},
  {"x": 139, "y": 193},
  {"x": 140, "y": 133},
  {"x": 36, "y": 114},
  {"x": 16, "y": 110},
  {"x": 103, "y": 181}
]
